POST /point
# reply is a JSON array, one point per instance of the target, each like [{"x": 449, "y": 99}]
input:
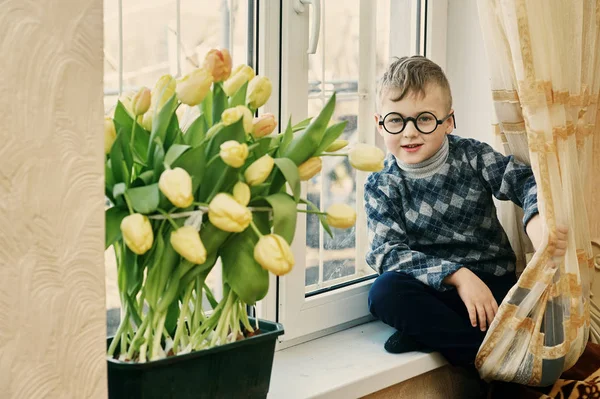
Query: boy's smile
[{"x": 411, "y": 146}]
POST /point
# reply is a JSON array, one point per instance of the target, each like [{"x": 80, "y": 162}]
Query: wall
[{"x": 52, "y": 315}]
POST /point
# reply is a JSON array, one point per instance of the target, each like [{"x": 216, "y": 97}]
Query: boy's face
[{"x": 411, "y": 146}]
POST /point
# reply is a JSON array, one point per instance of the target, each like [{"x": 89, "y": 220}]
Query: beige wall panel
[{"x": 52, "y": 314}]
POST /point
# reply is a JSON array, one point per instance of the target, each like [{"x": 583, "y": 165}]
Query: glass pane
[
  {"x": 335, "y": 67},
  {"x": 152, "y": 52}
]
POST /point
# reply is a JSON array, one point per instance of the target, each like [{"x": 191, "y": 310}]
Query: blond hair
[{"x": 412, "y": 75}]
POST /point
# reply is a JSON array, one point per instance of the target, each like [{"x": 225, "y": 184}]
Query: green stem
[
  {"x": 202, "y": 204},
  {"x": 136, "y": 342},
  {"x": 256, "y": 230},
  {"x": 117, "y": 337},
  {"x": 182, "y": 316},
  {"x": 166, "y": 215},
  {"x": 160, "y": 325},
  {"x": 144, "y": 346},
  {"x": 210, "y": 296},
  {"x": 309, "y": 211},
  {"x": 245, "y": 321},
  {"x": 332, "y": 154},
  {"x": 213, "y": 159},
  {"x": 128, "y": 202},
  {"x": 133, "y": 132}
]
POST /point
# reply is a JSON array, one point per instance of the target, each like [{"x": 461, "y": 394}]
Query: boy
[{"x": 444, "y": 260}]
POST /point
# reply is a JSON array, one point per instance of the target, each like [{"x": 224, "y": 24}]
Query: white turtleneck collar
[{"x": 429, "y": 166}]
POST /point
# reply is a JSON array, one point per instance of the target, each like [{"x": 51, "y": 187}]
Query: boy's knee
[{"x": 387, "y": 286}]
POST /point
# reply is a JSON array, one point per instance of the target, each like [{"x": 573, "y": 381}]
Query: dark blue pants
[{"x": 437, "y": 320}]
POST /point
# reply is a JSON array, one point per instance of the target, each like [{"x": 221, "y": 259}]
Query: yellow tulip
[
  {"x": 218, "y": 63},
  {"x": 187, "y": 243},
  {"x": 161, "y": 93},
  {"x": 227, "y": 214},
  {"x": 140, "y": 102},
  {"x": 137, "y": 233},
  {"x": 240, "y": 75},
  {"x": 110, "y": 134},
  {"x": 336, "y": 145},
  {"x": 366, "y": 157},
  {"x": 232, "y": 115},
  {"x": 147, "y": 120},
  {"x": 273, "y": 253},
  {"x": 310, "y": 168},
  {"x": 341, "y": 216},
  {"x": 176, "y": 185},
  {"x": 241, "y": 193},
  {"x": 263, "y": 125},
  {"x": 233, "y": 153},
  {"x": 259, "y": 91},
  {"x": 259, "y": 170},
  {"x": 193, "y": 87}
]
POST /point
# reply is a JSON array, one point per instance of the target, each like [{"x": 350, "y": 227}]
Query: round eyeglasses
[{"x": 425, "y": 122}]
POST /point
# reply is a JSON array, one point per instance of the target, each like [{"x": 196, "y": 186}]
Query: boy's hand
[
  {"x": 558, "y": 244},
  {"x": 476, "y": 296}
]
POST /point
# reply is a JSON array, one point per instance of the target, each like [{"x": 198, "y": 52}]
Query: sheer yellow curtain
[{"x": 544, "y": 58}]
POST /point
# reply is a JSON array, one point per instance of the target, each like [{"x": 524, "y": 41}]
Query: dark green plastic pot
[{"x": 240, "y": 369}]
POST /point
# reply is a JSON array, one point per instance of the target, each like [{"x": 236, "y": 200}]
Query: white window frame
[{"x": 308, "y": 318}]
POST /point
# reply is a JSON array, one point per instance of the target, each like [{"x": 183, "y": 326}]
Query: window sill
[{"x": 349, "y": 363}]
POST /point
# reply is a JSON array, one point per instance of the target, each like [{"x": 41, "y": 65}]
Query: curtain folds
[{"x": 544, "y": 59}]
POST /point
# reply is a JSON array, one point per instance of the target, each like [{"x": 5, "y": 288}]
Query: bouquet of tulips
[{"x": 222, "y": 187}]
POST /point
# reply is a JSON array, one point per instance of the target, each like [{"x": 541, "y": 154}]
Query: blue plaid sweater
[{"x": 429, "y": 227}]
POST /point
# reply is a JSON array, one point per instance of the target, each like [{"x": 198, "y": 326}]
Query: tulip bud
[
  {"x": 241, "y": 193},
  {"x": 163, "y": 90},
  {"x": 366, "y": 157},
  {"x": 187, "y": 243},
  {"x": 273, "y": 253},
  {"x": 310, "y": 168},
  {"x": 240, "y": 75},
  {"x": 147, "y": 120},
  {"x": 140, "y": 102},
  {"x": 341, "y": 216},
  {"x": 110, "y": 134},
  {"x": 137, "y": 233},
  {"x": 227, "y": 214},
  {"x": 336, "y": 145},
  {"x": 263, "y": 125},
  {"x": 193, "y": 87},
  {"x": 218, "y": 63},
  {"x": 259, "y": 170},
  {"x": 259, "y": 91},
  {"x": 233, "y": 153},
  {"x": 176, "y": 185},
  {"x": 232, "y": 115}
]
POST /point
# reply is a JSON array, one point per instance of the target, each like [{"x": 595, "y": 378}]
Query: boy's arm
[
  {"x": 507, "y": 178},
  {"x": 389, "y": 249}
]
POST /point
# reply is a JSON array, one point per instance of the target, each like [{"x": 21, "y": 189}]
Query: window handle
[{"x": 316, "y": 21}]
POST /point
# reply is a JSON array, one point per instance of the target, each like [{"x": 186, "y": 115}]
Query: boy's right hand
[{"x": 476, "y": 296}]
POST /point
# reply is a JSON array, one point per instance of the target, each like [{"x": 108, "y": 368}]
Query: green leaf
[
  {"x": 172, "y": 317},
  {"x": 301, "y": 125},
  {"x": 118, "y": 190},
  {"x": 304, "y": 144},
  {"x": 194, "y": 162},
  {"x": 109, "y": 180},
  {"x": 239, "y": 98},
  {"x": 322, "y": 218},
  {"x": 124, "y": 137},
  {"x": 160, "y": 124},
  {"x": 144, "y": 199},
  {"x": 173, "y": 134},
  {"x": 116, "y": 162},
  {"x": 113, "y": 217},
  {"x": 284, "y": 215},
  {"x": 122, "y": 117},
  {"x": 288, "y": 135},
  {"x": 195, "y": 132},
  {"x": 175, "y": 152},
  {"x": 331, "y": 134},
  {"x": 159, "y": 156},
  {"x": 206, "y": 108},
  {"x": 219, "y": 102},
  {"x": 290, "y": 172},
  {"x": 143, "y": 179},
  {"x": 243, "y": 274}
]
